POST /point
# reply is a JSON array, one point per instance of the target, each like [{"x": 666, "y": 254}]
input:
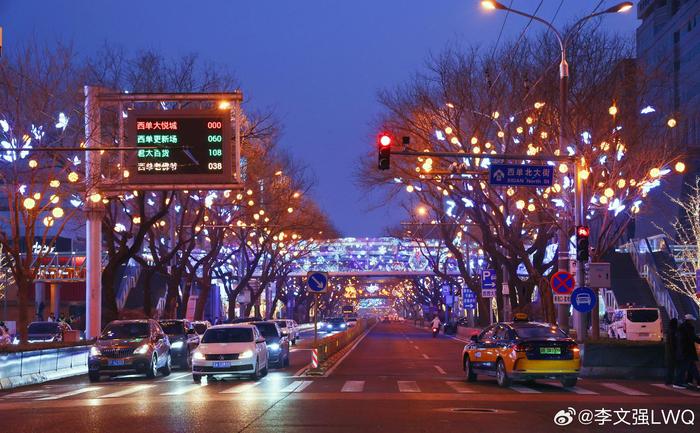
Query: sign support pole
[{"x": 316, "y": 318}]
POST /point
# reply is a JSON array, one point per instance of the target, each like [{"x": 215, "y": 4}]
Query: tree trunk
[
  {"x": 204, "y": 291},
  {"x": 109, "y": 300},
  {"x": 24, "y": 286}
]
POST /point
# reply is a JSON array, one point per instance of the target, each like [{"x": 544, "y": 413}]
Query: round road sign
[
  {"x": 583, "y": 299},
  {"x": 562, "y": 283}
]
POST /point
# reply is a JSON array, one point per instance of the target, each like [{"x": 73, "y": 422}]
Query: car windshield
[
  {"x": 172, "y": 327},
  {"x": 43, "y": 328},
  {"x": 125, "y": 331},
  {"x": 200, "y": 328},
  {"x": 267, "y": 329},
  {"x": 643, "y": 316},
  {"x": 539, "y": 332},
  {"x": 281, "y": 323},
  {"x": 336, "y": 321},
  {"x": 228, "y": 335}
]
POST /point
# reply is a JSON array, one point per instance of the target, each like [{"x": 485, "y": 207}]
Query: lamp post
[{"x": 563, "y": 40}]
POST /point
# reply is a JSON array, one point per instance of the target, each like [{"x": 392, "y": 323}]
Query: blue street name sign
[
  {"x": 583, "y": 299},
  {"x": 468, "y": 298},
  {"x": 488, "y": 283},
  {"x": 317, "y": 282},
  {"x": 521, "y": 175}
]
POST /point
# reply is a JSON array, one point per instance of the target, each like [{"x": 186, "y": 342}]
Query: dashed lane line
[
  {"x": 353, "y": 386},
  {"x": 459, "y": 387},
  {"x": 408, "y": 386},
  {"x": 130, "y": 390},
  {"x": 439, "y": 369},
  {"x": 71, "y": 393},
  {"x": 623, "y": 389},
  {"x": 524, "y": 389}
]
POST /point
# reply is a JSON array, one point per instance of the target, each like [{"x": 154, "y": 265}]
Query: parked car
[
  {"x": 230, "y": 350},
  {"x": 130, "y": 346},
  {"x": 639, "y": 324},
  {"x": 289, "y": 328},
  {"x": 200, "y": 326},
  {"x": 277, "y": 343},
  {"x": 335, "y": 324},
  {"x": 183, "y": 340},
  {"x": 522, "y": 350},
  {"x": 47, "y": 331},
  {"x": 245, "y": 319}
]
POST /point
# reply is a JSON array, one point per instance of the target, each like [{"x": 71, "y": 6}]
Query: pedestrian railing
[{"x": 645, "y": 265}]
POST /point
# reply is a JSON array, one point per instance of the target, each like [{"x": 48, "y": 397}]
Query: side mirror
[{"x": 474, "y": 338}]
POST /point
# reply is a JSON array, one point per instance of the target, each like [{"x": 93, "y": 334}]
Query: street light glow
[
  {"x": 620, "y": 7},
  {"x": 491, "y": 5}
]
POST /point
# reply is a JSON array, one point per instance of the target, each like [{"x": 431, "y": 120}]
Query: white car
[
  {"x": 289, "y": 328},
  {"x": 237, "y": 350},
  {"x": 636, "y": 324}
]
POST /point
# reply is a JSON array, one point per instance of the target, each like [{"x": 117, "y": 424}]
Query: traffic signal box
[
  {"x": 384, "y": 142},
  {"x": 582, "y": 243}
]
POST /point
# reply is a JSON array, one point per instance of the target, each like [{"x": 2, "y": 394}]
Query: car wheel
[
  {"x": 153, "y": 368},
  {"x": 167, "y": 368},
  {"x": 468, "y": 371},
  {"x": 256, "y": 376},
  {"x": 94, "y": 376},
  {"x": 263, "y": 373},
  {"x": 569, "y": 382},
  {"x": 197, "y": 378},
  {"x": 501, "y": 374}
]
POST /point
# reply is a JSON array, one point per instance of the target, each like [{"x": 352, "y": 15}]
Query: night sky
[{"x": 318, "y": 64}]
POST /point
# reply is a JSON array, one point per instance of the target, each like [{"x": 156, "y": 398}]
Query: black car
[
  {"x": 277, "y": 344},
  {"x": 335, "y": 324},
  {"x": 46, "y": 331},
  {"x": 130, "y": 346},
  {"x": 183, "y": 340}
]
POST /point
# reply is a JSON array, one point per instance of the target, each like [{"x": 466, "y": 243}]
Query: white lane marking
[
  {"x": 353, "y": 386},
  {"x": 574, "y": 389},
  {"x": 304, "y": 384},
  {"x": 425, "y": 356},
  {"x": 623, "y": 389},
  {"x": 524, "y": 390},
  {"x": 681, "y": 391},
  {"x": 291, "y": 387},
  {"x": 459, "y": 387},
  {"x": 439, "y": 369},
  {"x": 130, "y": 390},
  {"x": 415, "y": 347},
  {"x": 408, "y": 386},
  {"x": 24, "y": 394},
  {"x": 352, "y": 348},
  {"x": 174, "y": 377},
  {"x": 185, "y": 389},
  {"x": 71, "y": 393},
  {"x": 241, "y": 388}
]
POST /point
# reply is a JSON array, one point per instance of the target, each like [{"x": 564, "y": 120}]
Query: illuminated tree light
[
  {"x": 126, "y": 174},
  {"x": 531, "y": 207},
  {"x": 73, "y": 177},
  {"x": 29, "y": 203},
  {"x": 33, "y": 163},
  {"x": 409, "y": 188},
  {"x": 654, "y": 172},
  {"x": 609, "y": 193},
  {"x": 54, "y": 183},
  {"x": 563, "y": 168},
  {"x": 48, "y": 221},
  {"x": 583, "y": 174},
  {"x": 612, "y": 110},
  {"x": 671, "y": 123},
  {"x": 520, "y": 204},
  {"x": 448, "y": 130},
  {"x": 290, "y": 209},
  {"x": 621, "y": 183},
  {"x": 474, "y": 140},
  {"x": 680, "y": 167},
  {"x": 95, "y": 197}
]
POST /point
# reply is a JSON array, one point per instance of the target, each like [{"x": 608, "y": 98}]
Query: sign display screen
[{"x": 180, "y": 146}]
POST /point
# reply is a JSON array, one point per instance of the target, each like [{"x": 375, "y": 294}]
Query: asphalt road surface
[{"x": 397, "y": 379}]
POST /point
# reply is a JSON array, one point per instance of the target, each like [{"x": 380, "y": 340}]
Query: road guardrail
[{"x": 37, "y": 366}]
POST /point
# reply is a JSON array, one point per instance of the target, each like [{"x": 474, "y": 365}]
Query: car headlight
[
  {"x": 198, "y": 355},
  {"x": 343, "y": 325},
  {"x": 329, "y": 326},
  {"x": 245, "y": 355},
  {"x": 274, "y": 347},
  {"x": 177, "y": 345},
  {"x": 142, "y": 350},
  {"x": 94, "y": 351}
]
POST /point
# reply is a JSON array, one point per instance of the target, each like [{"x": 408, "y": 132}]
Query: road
[{"x": 397, "y": 379}]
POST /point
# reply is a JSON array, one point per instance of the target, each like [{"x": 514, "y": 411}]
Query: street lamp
[{"x": 562, "y": 312}]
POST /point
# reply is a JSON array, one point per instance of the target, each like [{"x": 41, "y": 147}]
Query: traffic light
[
  {"x": 384, "y": 142},
  {"x": 582, "y": 243}
]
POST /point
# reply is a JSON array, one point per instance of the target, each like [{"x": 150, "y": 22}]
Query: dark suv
[
  {"x": 130, "y": 346},
  {"x": 277, "y": 344},
  {"x": 183, "y": 340}
]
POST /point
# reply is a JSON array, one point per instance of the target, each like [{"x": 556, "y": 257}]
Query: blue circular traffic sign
[
  {"x": 317, "y": 282},
  {"x": 583, "y": 299}
]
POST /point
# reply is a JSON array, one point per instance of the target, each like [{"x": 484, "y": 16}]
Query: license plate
[
  {"x": 550, "y": 350},
  {"x": 222, "y": 364},
  {"x": 643, "y": 334},
  {"x": 115, "y": 362}
]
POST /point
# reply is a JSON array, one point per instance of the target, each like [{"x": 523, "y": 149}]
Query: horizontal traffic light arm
[{"x": 564, "y": 158}]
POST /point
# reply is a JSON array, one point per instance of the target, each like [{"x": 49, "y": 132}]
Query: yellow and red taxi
[{"x": 521, "y": 351}]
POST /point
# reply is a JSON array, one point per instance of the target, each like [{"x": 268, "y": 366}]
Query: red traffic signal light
[
  {"x": 582, "y": 243},
  {"x": 385, "y": 140},
  {"x": 583, "y": 231}
]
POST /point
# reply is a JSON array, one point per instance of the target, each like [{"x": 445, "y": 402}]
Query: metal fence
[{"x": 35, "y": 366}]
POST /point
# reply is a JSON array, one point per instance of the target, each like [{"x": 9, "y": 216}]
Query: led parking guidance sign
[{"x": 187, "y": 147}]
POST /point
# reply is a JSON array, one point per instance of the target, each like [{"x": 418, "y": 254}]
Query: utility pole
[{"x": 94, "y": 210}]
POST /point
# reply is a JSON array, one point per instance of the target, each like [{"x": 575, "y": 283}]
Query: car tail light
[
  {"x": 521, "y": 347},
  {"x": 573, "y": 347}
]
